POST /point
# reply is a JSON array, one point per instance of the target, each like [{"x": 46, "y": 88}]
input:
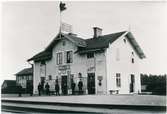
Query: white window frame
[{"x": 57, "y": 61}]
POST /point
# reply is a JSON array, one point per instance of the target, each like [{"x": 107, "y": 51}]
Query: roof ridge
[{"x": 107, "y": 35}]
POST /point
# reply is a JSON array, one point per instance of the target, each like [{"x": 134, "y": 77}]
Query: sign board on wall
[
  {"x": 64, "y": 67},
  {"x": 100, "y": 77},
  {"x": 64, "y": 70}
]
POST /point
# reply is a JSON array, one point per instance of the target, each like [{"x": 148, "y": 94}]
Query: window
[
  {"x": 42, "y": 68},
  {"x": 27, "y": 78},
  {"x": 124, "y": 40},
  {"x": 90, "y": 55},
  {"x": 69, "y": 57},
  {"x": 133, "y": 60},
  {"x": 50, "y": 77},
  {"x": 118, "y": 79},
  {"x": 59, "y": 58},
  {"x": 30, "y": 77}
]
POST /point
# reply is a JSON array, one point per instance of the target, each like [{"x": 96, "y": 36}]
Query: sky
[{"x": 28, "y": 27}]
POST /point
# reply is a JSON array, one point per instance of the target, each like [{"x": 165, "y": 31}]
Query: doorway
[
  {"x": 91, "y": 83},
  {"x": 64, "y": 85},
  {"x": 42, "y": 83},
  {"x": 132, "y": 83}
]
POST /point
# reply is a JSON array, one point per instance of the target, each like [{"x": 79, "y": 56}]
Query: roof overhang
[{"x": 135, "y": 45}]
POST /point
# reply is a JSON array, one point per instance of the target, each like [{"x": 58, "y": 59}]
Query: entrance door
[
  {"x": 91, "y": 83},
  {"x": 42, "y": 83},
  {"x": 64, "y": 85},
  {"x": 132, "y": 83}
]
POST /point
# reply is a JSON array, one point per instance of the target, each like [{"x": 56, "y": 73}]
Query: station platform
[{"x": 86, "y": 103}]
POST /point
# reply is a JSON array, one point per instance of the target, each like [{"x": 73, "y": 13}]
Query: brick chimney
[{"x": 97, "y": 32}]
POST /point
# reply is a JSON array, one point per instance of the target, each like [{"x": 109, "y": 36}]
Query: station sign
[{"x": 64, "y": 67}]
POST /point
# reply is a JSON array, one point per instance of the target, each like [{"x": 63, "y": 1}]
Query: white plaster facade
[
  {"x": 117, "y": 58},
  {"x": 122, "y": 65}
]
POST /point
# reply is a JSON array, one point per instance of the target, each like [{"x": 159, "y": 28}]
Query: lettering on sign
[
  {"x": 100, "y": 77},
  {"x": 64, "y": 67}
]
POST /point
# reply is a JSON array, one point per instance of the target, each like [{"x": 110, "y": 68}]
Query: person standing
[
  {"x": 57, "y": 88},
  {"x": 73, "y": 87},
  {"x": 39, "y": 89},
  {"x": 80, "y": 85},
  {"x": 31, "y": 89},
  {"x": 47, "y": 89},
  {"x": 19, "y": 90}
]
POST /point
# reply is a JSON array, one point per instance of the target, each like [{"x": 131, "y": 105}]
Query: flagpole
[
  {"x": 60, "y": 22},
  {"x": 62, "y": 7}
]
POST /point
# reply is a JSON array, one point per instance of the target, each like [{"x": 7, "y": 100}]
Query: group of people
[
  {"x": 57, "y": 88},
  {"x": 41, "y": 89}
]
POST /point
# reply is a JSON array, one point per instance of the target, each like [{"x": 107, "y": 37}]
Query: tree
[{"x": 155, "y": 83}]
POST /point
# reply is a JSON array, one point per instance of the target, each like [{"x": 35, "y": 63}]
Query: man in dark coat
[
  {"x": 19, "y": 90},
  {"x": 57, "y": 88},
  {"x": 47, "y": 89},
  {"x": 31, "y": 89},
  {"x": 73, "y": 87},
  {"x": 80, "y": 85},
  {"x": 39, "y": 89}
]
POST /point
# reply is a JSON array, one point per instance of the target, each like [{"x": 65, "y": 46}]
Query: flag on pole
[
  {"x": 66, "y": 27},
  {"x": 62, "y": 6}
]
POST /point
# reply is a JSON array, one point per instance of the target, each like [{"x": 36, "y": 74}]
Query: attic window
[
  {"x": 132, "y": 53},
  {"x": 124, "y": 40}
]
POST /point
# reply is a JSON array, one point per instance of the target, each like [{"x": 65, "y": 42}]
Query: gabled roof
[
  {"x": 47, "y": 53},
  {"x": 86, "y": 45},
  {"x": 135, "y": 45},
  {"x": 76, "y": 40},
  {"x": 44, "y": 55},
  {"x": 26, "y": 71},
  {"x": 9, "y": 83},
  {"x": 101, "y": 41}
]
